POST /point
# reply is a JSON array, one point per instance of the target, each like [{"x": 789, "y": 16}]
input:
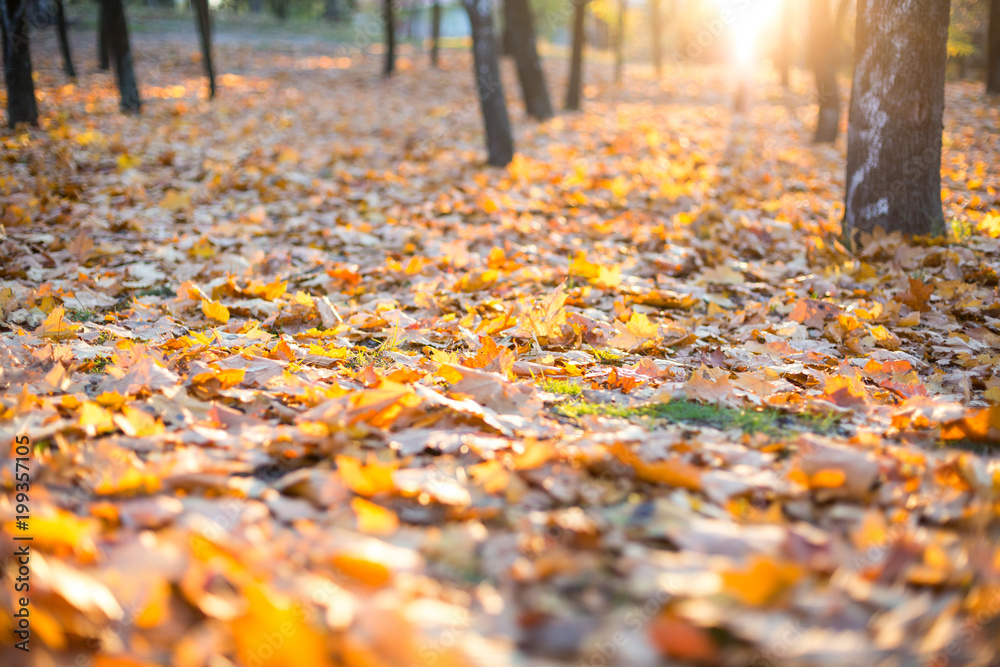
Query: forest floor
[{"x": 306, "y": 384}]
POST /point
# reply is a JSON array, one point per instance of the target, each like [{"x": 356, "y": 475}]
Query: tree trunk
[
  {"x": 895, "y": 125},
  {"x": 280, "y": 8},
  {"x": 388, "y": 17},
  {"x": 529, "y": 68},
  {"x": 823, "y": 54},
  {"x": 256, "y": 6},
  {"x": 993, "y": 50},
  {"x": 64, "y": 40},
  {"x": 507, "y": 36},
  {"x": 331, "y": 10},
  {"x": 657, "y": 28},
  {"x": 103, "y": 54},
  {"x": 21, "y": 104},
  {"x": 203, "y": 23},
  {"x": 486, "y": 68},
  {"x": 576, "y": 58},
  {"x": 435, "y": 31},
  {"x": 620, "y": 41},
  {"x": 121, "y": 53}
]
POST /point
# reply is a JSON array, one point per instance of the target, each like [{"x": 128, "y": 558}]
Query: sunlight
[{"x": 748, "y": 20}]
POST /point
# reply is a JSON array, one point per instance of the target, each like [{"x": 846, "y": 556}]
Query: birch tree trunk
[
  {"x": 895, "y": 125},
  {"x": 486, "y": 68}
]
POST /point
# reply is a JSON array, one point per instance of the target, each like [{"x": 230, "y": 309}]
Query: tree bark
[
  {"x": 895, "y": 125},
  {"x": 116, "y": 27},
  {"x": 103, "y": 54},
  {"x": 388, "y": 17},
  {"x": 203, "y": 23},
  {"x": 280, "y": 8},
  {"x": 993, "y": 50},
  {"x": 486, "y": 68},
  {"x": 435, "y": 31},
  {"x": 64, "y": 40},
  {"x": 657, "y": 27},
  {"x": 256, "y": 6},
  {"x": 573, "y": 91},
  {"x": 529, "y": 67},
  {"x": 21, "y": 104},
  {"x": 823, "y": 54},
  {"x": 507, "y": 36},
  {"x": 620, "y": 41}
]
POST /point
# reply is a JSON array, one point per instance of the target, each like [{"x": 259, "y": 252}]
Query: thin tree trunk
[
  {"x": 202, "y": 20},
  {"x": 103, "y": 54},
  {"x": 121, "y": 53},
  {"x": 529, "y": 68},
  {"x": 993, "y": 49},
  {"x": 657, "y": 33},
  {"x": 388, "y": 16},
  {"x": 486, "y": 68},
  {"x": 331, "y": 10},
  {"x": 256, "y": 6},
  {"x": 64, "y": 40},
  {"x": 435, "y": 31},
  {"x": 620, "y": 41},
  {"x": 280, "y": 9},
  {"x": 823, "y": 54},
  {"x": 895, "y": 125},
  {"x": 576, "y": 58},
  {"x": 21, "y": 104}
]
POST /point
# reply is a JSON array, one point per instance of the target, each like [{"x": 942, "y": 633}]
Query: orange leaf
[
  {"x": 215, "y": 311},
  {"x": 374, "y": 519}
]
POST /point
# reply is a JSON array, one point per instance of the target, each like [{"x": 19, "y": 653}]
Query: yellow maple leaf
[
  {"x": 762, "y": 582},
  {"x": 56, "y": 326},
  {"x": 215, "y": 311}
]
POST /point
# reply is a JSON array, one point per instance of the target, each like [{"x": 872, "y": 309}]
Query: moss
[
  {"x": 564, "y": 387},
  {"x": 749, "y": 420}
]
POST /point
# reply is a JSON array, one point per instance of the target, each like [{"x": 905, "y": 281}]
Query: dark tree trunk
[
  {"x": 21, "y": 104},
  {"x": 67, "y": 56},
  {"x": 332, "y": 10},
  {"x": 202, "y": 20},
  {"x": 280, "y": 8},
  {"x": 576, "y": 58},
  {"x": 388, "y": 17},
  {"x": 103, "y": 53},
  {"x": 656, "y": 26},
  {"x": 823, "y": 54},
  {"x": 895, "y": 125},
  {"x": 486, "y": 68},
  {"x": 620, "y": 41},
  {"x": 507, "y": 36},
  {"x": 121, "y": 53},
  {"x": 435, "y": 31},
  {"x": 993, "y": 50},
  {"x": 256, "y": 6},
  {"x": 529, "y": 68}
]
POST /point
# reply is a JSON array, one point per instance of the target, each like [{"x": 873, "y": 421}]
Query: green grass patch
[
  {"x": 763, "y": 420},
  {"x": 564, "y": 387}
]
